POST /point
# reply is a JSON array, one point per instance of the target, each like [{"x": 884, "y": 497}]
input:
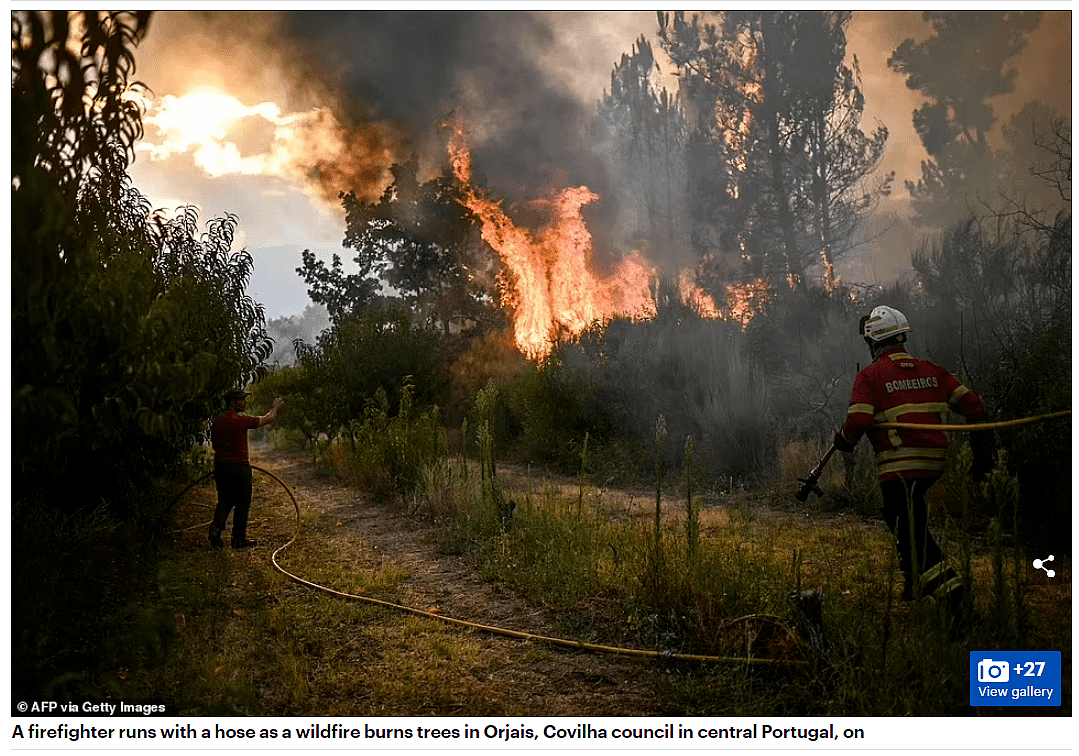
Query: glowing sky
[{"x": 245, "y": 119}]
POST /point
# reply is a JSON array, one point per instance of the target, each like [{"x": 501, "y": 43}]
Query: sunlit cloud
[{"x": 225, "y": 137}]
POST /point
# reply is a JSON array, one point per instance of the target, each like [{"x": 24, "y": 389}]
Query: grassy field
[{"x": 226, "y": 633}]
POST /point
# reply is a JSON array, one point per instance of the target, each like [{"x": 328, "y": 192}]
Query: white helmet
[{"x": 884, "y": 323}]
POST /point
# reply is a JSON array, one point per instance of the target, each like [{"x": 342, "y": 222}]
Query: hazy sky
[{"x": 292, "y": 108}]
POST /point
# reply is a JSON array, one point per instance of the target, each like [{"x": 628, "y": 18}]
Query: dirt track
[{"x": 512, "y": 676}]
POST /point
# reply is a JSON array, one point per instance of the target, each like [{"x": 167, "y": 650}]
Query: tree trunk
[
  {"x": 820, "y": 181},
  {"x": 769, "y": 36}
]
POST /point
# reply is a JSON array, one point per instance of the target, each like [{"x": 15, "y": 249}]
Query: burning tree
[
  {"x": 549, "y": 281},
  {"x": 420, "y": 239},
  {"x": 779, "y": 111}
]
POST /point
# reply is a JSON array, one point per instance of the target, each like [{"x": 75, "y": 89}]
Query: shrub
[
  {"x": 391, "y": 452},
  {"x": 555, "y": 408},
  {"x": 612, "y": 383},
  {"x": 446, "y": 490},
  {"x": 998, "y": 309},
  {"x": 358, "y": 356}
]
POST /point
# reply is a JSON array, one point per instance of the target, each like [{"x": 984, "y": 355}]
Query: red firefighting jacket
[{"x": 899, "y": 388}]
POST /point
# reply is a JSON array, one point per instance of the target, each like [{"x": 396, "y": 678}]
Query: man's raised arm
[{"x": 270, "y": 416}]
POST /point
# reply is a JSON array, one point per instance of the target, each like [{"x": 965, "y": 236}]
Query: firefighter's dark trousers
[
  {"x": 920, "y": 558},
  {"x": 233, "y": 481}
]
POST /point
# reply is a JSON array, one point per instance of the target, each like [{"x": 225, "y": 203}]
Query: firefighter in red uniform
[{"x": 900, "y": 388}]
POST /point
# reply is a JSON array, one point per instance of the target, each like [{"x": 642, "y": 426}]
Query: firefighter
[
  {"x": 232, "y": 468},
  {"x": 900, "y": 388}
]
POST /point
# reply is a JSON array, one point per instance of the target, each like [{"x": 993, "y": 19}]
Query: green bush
[
  {"x": 554, "y": 408},
  {"x": 391, "y": 452},
  {"x": 337, "y": 376},
  {"x": 297, "y": 416}
]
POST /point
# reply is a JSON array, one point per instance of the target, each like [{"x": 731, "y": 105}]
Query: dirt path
[{"x": 525, "y": 677}]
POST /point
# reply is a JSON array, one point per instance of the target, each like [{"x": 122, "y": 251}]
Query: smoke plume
[{"x": 528, "y": 130}]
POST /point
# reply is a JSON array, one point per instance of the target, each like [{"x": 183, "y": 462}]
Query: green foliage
[
  {"x": 292, "y": 384},
  {"x": 585, "y": 473},
  {"x": 339, "y": 292},
  {"x": 693, "y": 506},
  {"x": 474, "y": 361},
  {"x": 661, "y": 440},
  {"x": 420, "y": 239},
  {"x": 126, "y": 329},
  {"x": 732, "y": 599},
  {"x": 446, "y": 490},
  {"x": 496, "y": 508},
  {"x": 120, "y": 360},
  {"x": 355, "y": 358},
  {"x": 556, "y": 408},
  {"x": 70, "y": 100},
  {"x": 599, "y": 564},
  {"x": 553, "y": 554},
  {"x": 392, "y": 451}
]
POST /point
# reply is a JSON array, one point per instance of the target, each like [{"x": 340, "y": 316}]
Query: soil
[
  {"x": 491, "y": 675},
  {"x": 514, "y": 676}
]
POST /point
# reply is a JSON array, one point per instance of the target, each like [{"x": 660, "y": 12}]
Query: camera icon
[{"x": 990, "y": 671}]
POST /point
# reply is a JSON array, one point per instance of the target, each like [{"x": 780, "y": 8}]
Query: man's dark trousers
[
  {"x": 920, "y": 558},
  {"x": 233, "y": 481}
]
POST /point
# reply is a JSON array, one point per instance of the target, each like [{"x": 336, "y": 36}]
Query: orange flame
[
  {"x": 551, "y": 286},
  {"x": 694, "y": 296},
  {"x": 745, "y": 300}
]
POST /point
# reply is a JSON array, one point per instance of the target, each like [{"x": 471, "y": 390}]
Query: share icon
[{"x": 1039, "y": 564}]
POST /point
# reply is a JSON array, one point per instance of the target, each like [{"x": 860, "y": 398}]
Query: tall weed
[{"x": 391, "y": 452}]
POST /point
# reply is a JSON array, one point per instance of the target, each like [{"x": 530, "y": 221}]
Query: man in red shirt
[
  {"x": 232, "y": 468},
  {"x": 900, "y": 388}
]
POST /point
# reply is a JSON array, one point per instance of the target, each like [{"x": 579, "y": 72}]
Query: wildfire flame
[
  {"x": 745, "y": 300},
  {"x": 693, "y": 296},
  {"x": 552, "y": 287}
]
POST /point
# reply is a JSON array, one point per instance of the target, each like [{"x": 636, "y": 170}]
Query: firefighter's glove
[
  {"x": 981, "y": 444},
  {"x": 842, "y": 444}
]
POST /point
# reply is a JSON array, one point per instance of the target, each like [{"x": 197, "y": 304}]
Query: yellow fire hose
[
  {"x": 562, "y": 642},
  {"x": 582, "y": 645},
  {"x": 809, "y": 483},
  {"x": 975, "y": 426}
]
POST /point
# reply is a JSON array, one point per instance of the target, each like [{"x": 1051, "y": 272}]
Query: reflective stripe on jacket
[{"x": 900, "y": 388}]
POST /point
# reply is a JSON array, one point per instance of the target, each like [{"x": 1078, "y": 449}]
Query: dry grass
[{"x": 250, "y": 641}]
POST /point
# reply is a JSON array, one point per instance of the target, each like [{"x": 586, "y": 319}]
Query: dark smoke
[{"x": 527, "y": 131}]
